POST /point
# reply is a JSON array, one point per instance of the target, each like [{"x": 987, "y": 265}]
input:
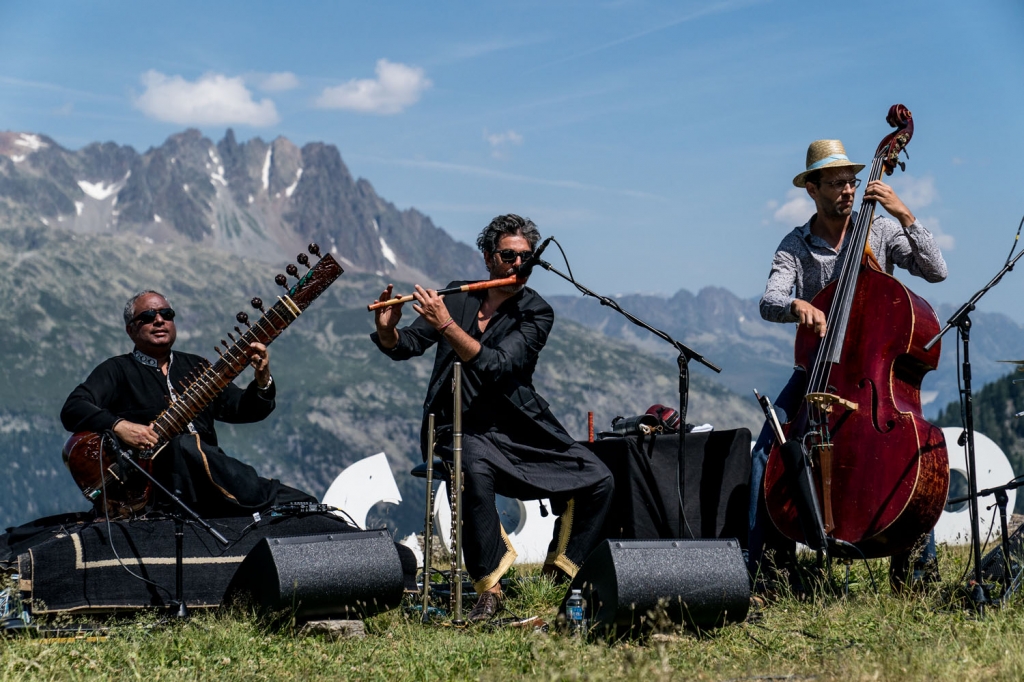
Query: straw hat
[{"x": 825, "y": 154}]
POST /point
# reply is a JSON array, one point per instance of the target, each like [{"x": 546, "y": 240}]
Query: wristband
[{"x": 444, "y": 326}]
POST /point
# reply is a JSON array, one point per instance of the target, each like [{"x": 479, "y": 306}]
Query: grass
[{"x": 864, "y": 636}]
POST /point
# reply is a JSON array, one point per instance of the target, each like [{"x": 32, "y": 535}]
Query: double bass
[{"x": 880, "y": 469}]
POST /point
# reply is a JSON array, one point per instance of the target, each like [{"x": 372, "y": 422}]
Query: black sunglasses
[
  {"x": 509, "y": 255},
  {"x": 149, "y": 316}
]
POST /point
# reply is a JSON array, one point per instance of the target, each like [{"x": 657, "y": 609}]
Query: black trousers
[
  {"x": 214, "y": 484},
  {"x": 578, "y": 484}
]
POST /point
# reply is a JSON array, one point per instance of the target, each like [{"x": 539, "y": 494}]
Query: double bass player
[{"x": 806, "y": 261}]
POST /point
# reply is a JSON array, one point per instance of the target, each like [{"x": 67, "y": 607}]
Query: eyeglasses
[
  {"x": 840, "y": 185},
  {"x": 509, "y": 255},
  {"x": 149, "y": 316}
]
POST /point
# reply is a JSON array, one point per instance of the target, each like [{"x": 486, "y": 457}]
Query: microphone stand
[
  {"x": 177, "y": 606},
  {"x": 685, "y": 355},
  {"x": 962, "y": 321}
]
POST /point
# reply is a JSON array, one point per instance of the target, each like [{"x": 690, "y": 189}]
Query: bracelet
[{"x": 444, "y": 326}]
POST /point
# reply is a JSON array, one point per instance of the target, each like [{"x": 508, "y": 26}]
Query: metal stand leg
[
  {"x": 428, "y": 522},
  {"x": 457, "y": 493}
]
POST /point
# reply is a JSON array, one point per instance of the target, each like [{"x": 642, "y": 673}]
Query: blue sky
[{"x": 657, "y": 141}]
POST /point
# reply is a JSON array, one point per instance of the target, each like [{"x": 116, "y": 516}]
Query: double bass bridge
[{"x": 826, "y": 401}]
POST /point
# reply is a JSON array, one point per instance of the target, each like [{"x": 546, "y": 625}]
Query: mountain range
[
  {"x": 70, "y": 270},
  {"x": 209, "y": 224}
]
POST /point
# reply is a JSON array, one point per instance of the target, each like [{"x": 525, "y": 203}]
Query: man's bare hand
[
  {"x": 386, "y": 319},
  {"x": 259, "y": 358},
  {"x": 886, "y": 196},
  {"x": 430, "y": 305},
  {"x": 136, "y": 436},
  {"x": 810, "y": 317}
]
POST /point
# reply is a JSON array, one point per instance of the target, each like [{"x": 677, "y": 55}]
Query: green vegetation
[{"x": 860, "y": 637}]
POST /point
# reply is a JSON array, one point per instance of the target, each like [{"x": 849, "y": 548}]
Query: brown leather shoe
[{"x": 486, "y": 607}]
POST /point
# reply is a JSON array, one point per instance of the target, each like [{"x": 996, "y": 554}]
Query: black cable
[
  {"x": 106, "y": 515},
  {"x": 1015, "y": 239}
]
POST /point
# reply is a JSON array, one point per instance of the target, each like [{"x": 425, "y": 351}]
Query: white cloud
[
  {"x": 214, "y": 99},
  {"x": 796, "y": 210},
  {"x": 915, "y": 192},
  {"x": 396, "y": 87},
  {"x": 278, "y": 82},
  {"x": 946, "y": 242},
  {"x": 501, "y": 141}
]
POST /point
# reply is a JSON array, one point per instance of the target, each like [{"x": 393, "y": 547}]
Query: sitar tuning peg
[
  {"x": 217, "y": 348},
  {"x": 303, "y": 259},
  {"x": 314, "y": 249},
  {"x": 257, "y": 303},
  {"x": 226, "y": 343},
  {"x": 243, "y": 318},
  {"x": 232, "y": 337},
  {"x": 292, "y": 270},
  {"x": 240, "y": 332},
  {"x": 282, "y": 281}
]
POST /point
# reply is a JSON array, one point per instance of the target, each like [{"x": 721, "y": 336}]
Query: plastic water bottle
[{"x": 575, "y": 613}]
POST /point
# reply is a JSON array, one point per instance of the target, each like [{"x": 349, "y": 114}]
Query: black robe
[
  {"x": 513, "y": 445},
  {"x": 132, "y": 387}
]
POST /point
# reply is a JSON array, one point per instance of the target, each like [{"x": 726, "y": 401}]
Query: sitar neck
[{"x": 203, "y": 389}]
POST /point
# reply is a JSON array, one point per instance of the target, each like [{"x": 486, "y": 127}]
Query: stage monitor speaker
[
  {"x": 626, "y": 583},
  {"x": 343, "y": 575}
]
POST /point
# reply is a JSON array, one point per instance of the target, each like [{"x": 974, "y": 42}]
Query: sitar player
[
  {"x": 512, "y": 444},
  {"x": 805, "y": 262},
  {"x": 124, "y": 394}
]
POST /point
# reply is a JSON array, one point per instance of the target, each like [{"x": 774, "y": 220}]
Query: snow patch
[
  {"x": 266, "y": 168},
  {"x": 98, "y": 190},
  {"x": 185, "y": 187},
  {"x": 45, "y": 221},
  {"x": 17, "y": 158},
  {"x": 218, "y": 176},
  {"x": 291, "y": 188},
  {"x": 251, "y": 199},
  {"x": 157, "y": 219},
  {"x": 78, "y": 207},
  {"x": 376, "y": 227},
  {"x": 389, "y": 255},
  {"x": 148, "y": 240},
  {"x": 31, "y": 141}
]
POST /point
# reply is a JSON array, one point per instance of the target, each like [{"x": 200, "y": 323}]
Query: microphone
[{"x": 526, "y": 268}]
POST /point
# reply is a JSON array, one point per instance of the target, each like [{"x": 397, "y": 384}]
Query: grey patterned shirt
[{"x": 804, "y": 263}]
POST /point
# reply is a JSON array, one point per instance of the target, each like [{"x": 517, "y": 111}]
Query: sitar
[
  {"x": 881, "y": 469},
  {"x": 97, "y": 472}
]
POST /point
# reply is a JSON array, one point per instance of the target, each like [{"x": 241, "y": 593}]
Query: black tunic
[{"x": 132, "y": 387}]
